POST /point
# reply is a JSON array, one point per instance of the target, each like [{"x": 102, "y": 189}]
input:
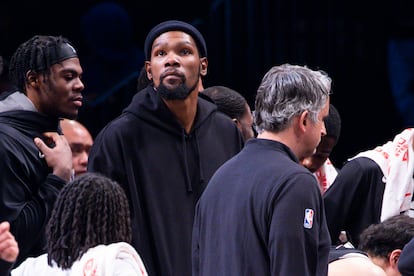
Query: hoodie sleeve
[
  {"x": 106, "y": 154},
  {"x": 26, "y": 196}
]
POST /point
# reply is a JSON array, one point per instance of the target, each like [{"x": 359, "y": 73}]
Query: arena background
[{"x": 346, "y": 38}]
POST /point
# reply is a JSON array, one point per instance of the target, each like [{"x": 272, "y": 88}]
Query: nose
[
  {"x": 172, "y": 59},
  {"x": 83, "y": 158},
  {"x": 79, "y": 86}
]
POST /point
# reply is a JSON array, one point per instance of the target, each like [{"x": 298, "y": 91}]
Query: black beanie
[{"x": 175, "y": 25}]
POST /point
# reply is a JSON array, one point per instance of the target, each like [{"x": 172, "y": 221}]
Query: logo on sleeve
[{"x": 308, "y": 221}]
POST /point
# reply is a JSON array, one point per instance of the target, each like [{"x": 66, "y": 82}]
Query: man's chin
[
  {"x": 173, "y": 93},
  {"x": 174, "y": 96}
]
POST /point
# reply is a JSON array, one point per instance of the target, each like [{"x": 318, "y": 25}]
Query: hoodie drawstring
[{"x": 191, "y": 140}]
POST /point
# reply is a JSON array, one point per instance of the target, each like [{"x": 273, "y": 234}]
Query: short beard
[{"x": 180, "y": 92}]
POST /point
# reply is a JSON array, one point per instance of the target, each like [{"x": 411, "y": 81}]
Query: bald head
[
  {"x": 355, "y": 266},
  {"x": 80, "y": 141}
]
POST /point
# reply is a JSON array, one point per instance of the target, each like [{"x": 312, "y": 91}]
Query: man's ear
[
  {"x": 304, "y": 119},
  {"x": 394, "y": 257},
  {"x": 237, "y": 122},
  {"x": 148, "y": 69},
  {"x": 32, "y": 79},
  {"x": 203, "y": 66}
]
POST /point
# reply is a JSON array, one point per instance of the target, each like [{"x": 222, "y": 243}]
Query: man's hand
[
  {"x": 9, "y": 249},
  {"x": 58, "y": 157}
]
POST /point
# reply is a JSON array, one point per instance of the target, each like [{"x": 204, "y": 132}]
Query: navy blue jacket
[
  {"x": 262, "y": 214},
  {"x": 406, "y": 260}
]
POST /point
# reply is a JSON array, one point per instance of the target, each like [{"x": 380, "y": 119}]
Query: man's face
[
  {"x": 324, "y": 149},
  {"x": 317, "y": 129},
  {"x": 246, "y": 124},
  {"x": 80, "y": 142},
  {"x": 175, "y": 66},
  {"x": 60, "y": 92}
]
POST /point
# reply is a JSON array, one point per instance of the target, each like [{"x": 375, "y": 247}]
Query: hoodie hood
[
  {"x": 15, "y": 100},
  {"x": 17, "y": 111},
  {"x": 149, "y": 106}
]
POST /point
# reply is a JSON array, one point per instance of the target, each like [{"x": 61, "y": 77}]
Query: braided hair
[
  {"x": 37, "y": 54},
  {"x": 89, "y": 211}
]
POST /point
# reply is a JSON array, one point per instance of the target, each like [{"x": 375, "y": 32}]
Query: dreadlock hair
[
  {"x": 37, "y": 54},
  {"x": 89, "y": 211}
]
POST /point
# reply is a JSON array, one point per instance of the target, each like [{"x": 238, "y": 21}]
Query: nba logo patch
[{"x": 308, "y": 221}]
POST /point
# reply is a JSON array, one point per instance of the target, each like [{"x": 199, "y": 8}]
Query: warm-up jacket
[
  {"x": 28, "y": 188},
  {"x": 406, "y": 260},
  {"x": 262, "y": 214},
  {"x": 163, "y": 171},
  {"x": 354, "y": 200}
]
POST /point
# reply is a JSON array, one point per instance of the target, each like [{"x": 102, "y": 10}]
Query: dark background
[{"x": 346, "y": 38}]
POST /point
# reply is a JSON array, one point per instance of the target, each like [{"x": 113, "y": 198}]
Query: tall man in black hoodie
[
  {"x": 165, "y": 146},
  {"x": 36, "y": 161}
]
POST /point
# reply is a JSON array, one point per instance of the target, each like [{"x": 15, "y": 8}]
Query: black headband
[
  {"x": 175, "y": 25},
  {"x": 63, "y": 52}
]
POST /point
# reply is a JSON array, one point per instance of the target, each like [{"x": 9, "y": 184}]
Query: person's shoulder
[
  {"x": 359, "y": 166},
  {"x": 406, "y": 260},
  {"x": 13, "y": 134},
  {"x": 120, "y": 125},
  {"x": 207, "y": 108},
  {"x": 363, "y": 161},
  {"x": 105, "y": 257},
  {"x": 296, "y": 176},
  {"x": 210, "y": 117},
  {"x": 292, "y": 167},
  {"x": 37, "y": 266}
]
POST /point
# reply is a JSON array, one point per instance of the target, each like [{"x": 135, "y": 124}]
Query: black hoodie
[
  {"x": 28, "y": 189},
  {"x": 164, "y": 171}
]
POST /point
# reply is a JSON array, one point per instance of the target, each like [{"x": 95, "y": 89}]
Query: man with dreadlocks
[
  {"x": 88, "y": 233},
  {"x": 36, "y": 160}
]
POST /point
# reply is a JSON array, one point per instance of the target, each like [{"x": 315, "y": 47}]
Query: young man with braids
[
  {"x": 88, "y": 233},
  {"x": 36, "y": 160},
  {"x": 165, "y": 146}
]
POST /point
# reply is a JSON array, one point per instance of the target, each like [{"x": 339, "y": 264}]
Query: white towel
[
  {"x": 396, "y": 160},
  {"x": 108, "y": 260},
  {"x": 325, "y": 175}
]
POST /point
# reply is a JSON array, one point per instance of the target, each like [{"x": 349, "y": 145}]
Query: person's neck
[
  {"x": 184, "y": 110},
  {"x": 286, "y": 137}
]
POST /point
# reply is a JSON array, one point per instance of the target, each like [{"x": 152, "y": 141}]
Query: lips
[
  {"x": 172, "y": 73},
  {"x": 172, "y": 77},
  {"x": 78, "y": 101}
]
